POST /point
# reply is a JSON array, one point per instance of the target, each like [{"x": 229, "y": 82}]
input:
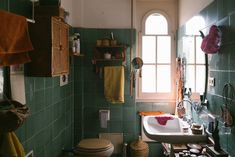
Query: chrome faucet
[{"x": 189, "y": 116}]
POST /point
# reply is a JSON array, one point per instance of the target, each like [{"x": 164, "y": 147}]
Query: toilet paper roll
[{"x": 104, "y": 117}]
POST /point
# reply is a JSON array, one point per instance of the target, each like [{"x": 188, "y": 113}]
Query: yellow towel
[
  {"x": 114, "y": 84},
  {"x": 10, "y": 146}
]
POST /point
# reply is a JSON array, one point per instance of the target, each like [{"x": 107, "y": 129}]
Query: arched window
[
  {"x": 156, "y": 24},
  {"x": 156, "y": 51}
]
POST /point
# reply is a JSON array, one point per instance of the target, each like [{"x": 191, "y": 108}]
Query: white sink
[{"x": 171, "y": 131}]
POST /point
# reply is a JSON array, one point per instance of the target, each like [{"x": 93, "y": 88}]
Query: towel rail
[
  {"x": 30, "y": 20},
  {"x": 27, "y": 19}
]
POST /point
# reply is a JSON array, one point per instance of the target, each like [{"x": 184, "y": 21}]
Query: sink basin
[{"x": 168, "y": 128}]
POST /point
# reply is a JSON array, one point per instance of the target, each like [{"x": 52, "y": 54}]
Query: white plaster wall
[
  {"x": 68, "y": 6},
  {"x": 189, "y": 8},
  {"x": 169, "y": 7},
  {"x": 100, "y": 13}
]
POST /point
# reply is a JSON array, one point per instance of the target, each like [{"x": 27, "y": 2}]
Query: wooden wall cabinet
[{"x": 50, "y": 57}]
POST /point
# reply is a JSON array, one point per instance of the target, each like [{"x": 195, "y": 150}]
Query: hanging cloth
[
  {"x": 14, "y": 39},
  {"x": 211, "y": 42}
]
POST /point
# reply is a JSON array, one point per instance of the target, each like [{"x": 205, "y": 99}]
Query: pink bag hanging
[{"x": 211, "y": 42}]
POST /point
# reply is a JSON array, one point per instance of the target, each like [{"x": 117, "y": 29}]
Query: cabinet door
[
  {"x": 64, "y": 51},
  {"x": 55, "y": 63}
]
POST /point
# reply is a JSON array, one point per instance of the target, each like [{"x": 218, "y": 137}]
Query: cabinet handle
[{"x": 61, "y": 47}]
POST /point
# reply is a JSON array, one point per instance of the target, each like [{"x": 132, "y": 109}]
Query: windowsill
[{"x": 155, "y": 100}]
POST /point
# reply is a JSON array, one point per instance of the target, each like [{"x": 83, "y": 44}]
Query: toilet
[{"x": 95, "y": 147}]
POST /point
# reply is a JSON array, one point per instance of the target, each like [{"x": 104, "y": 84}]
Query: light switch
[{"x": 211, "y": 81}]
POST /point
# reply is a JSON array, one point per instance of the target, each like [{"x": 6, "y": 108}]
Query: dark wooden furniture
[{"x": 49, "y": 35}]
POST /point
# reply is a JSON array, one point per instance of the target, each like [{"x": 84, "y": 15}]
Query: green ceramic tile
[
  {"x": 212, "y": 14},
  {"x": 48, "y": 115},
  {"x": 48, "y": 82},
  {"x": 224, "y": 27},
  {"x": 39, "y": 141},
  {"x": 48, "y": 97},
  {"x": 30, "y": 127},
  {"x": 91, "y": 113},
  {"x": 223, "y": 8},
  {"x": 20, "y": 7},
  {"x": 232, "y": 27},
  {"x": 58, "y": 126},
  {"x": 129, "y": 126},
  {"x": 116, "y": 126},
  {"x": 39, "y": 100},
  {"x": 39, "y": 83},
  {"x": 3, "y": 4},
  {"x": 58, "y": 110},
  {"x": 116, "y": 113},
  {"x": 129, "y": 113},
  {"x": 231, "y": 6},
  {"x": 39, "y": 120},
  {"x": 56, "y": 94},
  {"x": 144, "y": 106},
  {"x": 56, "y": 81},
  {"x": 91, "y": 126},
  {"x": 223, "y": 78},
  {"x": 29, "y": 85}
]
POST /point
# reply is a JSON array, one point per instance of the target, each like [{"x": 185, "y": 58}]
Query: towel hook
[{"x": 33, "y": 5}]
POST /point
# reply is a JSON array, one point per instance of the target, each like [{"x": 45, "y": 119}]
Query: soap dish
[{"x": 197, "y": 129}]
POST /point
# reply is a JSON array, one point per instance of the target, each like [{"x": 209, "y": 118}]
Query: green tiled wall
[
  {"x": 50, "y": 126},
  {"x": 221, "y": 65},
  {"x": 89, "y": 97}
]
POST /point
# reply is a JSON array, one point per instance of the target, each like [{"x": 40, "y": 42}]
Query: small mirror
[{"x": 137, "y": 63}]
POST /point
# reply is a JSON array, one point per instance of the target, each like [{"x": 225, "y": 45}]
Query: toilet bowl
[{"x": 95, "y": 147}]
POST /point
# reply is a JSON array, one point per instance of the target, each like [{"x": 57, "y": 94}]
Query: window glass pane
[
  {"x": 195, "y": 24},
  {"x": 190, "y": 77},
  {"x": 149, "y": 49},
  {"x": 149, "y": 78},
  {"x": 163, "y": 78},
  {"x": 200, "y": 78},
  {"x": 188, "y": 49},
  {"x": 200, "y": 55},
  {"x": 156, "y": 24},
  {"x": 163, "y": 49}
]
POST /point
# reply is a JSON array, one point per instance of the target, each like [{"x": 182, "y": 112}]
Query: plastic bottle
[{"x": 77, "y": 43}]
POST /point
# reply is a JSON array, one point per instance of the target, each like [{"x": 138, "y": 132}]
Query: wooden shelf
[
  {"x": 109, "y": 62},
  {"x": 115, "y": 46},
  {"x": 118, "y": 55}
]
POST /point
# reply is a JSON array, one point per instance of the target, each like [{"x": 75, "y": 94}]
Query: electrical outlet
[
  {"x": 63, "y": 80},
  {"x": 211, "y": 81}
]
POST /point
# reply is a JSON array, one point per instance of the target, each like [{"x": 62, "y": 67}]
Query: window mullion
[
  {"x": 156, "y": 63},
  {"x": 195, "y": 66}
]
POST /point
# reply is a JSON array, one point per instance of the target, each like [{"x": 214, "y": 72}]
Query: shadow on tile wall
[
  {"x": 221, "y": 65},
  {"x": 50, "y": 126}
]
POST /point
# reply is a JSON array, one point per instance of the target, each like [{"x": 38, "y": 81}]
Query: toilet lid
[{"x": 94, "y": 144}]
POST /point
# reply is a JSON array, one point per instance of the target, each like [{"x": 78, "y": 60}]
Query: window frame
[
  {"x": 196, "y": 94},
  {"x": 157, "y": 97}
]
